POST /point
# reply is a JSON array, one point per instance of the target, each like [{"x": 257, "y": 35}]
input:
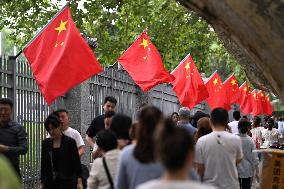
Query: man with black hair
[
  {"x": 13, "y": 137},
  {"x": 218, "y": 153},
  {"x": 248, "y": 164},
  {"x": 98, "y": 123},
  {"x": 234, "y": 124}
]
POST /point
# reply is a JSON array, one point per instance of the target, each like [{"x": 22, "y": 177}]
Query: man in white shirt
[
  {"x": 234, "y": 124},
  {"x": 218, "y": 153},
  {"x": 68, "y": 131}
]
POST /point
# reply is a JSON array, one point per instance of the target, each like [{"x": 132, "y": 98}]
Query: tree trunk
[{"x": 253, "y": 32}]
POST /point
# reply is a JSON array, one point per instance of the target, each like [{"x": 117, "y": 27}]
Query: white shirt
[
  {"x": 162, "y": 184},
  {"x": 218, "y": 152},
  {"x": 98, "y": 177},
  {"x": 73, "y": 133},
  {"x": 234, "y": 127}
]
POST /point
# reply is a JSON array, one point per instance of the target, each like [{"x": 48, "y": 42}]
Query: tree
[
  {"x": 253, "y": 32},
  {"x": 173, "y": 29}
]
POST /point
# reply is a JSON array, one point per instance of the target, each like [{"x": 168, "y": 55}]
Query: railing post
[{"x": 12, "y": 65}]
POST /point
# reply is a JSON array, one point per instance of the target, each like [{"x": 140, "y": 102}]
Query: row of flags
[{"x": 60, "y": 59}]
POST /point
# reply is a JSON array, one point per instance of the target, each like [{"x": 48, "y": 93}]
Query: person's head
[
  {"x": 52, "y": 125},
  {"x": 270, "y": 123},
  {"x": 150, "y": 119},
  {"x": 121, "y": 125},
  {"x": 6, "y": 109},
  {"x": 198, "y": 115},
  {"x": 106, "y": 140},
  {"x": 219, "y": 117},
  {"x": 63, "y": 117},
  {"x": 184, "y": 114},
  {"x": 109, "y": 104},
  {"x": 245, "y": 117},
  {"x": 237, "y": 115},
  {"x": 244, "y": 126},
  {"x": 203, "y": 128},
  {"x": 175, "y": 148},
  {"x": 174, "y": 117},
  {"x": 108, "y": 118},
  {"x": 256, "y": 121}
]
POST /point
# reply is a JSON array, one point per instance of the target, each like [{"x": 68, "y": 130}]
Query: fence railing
[{"x": 30, "y": 109}]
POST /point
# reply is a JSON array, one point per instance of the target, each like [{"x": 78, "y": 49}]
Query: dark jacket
[
  {"x": 70, "y": 165},
  {"x": 14, "y": 136}
]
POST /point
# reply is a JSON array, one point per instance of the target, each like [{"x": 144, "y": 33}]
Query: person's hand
[
  {"x": 79, "y": 183},
  {"x": 79, "y": 186},
  {"x": 97, "y": 153},
  {"x": 3, "y": 148}
]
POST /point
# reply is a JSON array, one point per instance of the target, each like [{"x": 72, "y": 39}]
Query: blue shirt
[
  {"x": 131, "y": 172},
  {"x": 249, "y": 161},
  {"x": 185, "y": 124}
]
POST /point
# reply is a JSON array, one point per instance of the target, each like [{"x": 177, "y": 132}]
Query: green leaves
[{"x": 116, "y": 23}]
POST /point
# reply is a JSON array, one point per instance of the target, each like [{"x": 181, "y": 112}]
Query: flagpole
[
  {"x": 20, "y": 52},
  {"x": 181, "y": 62},
  {"x": 211, "y": 76},
  {"x": 229, "y": 77}
]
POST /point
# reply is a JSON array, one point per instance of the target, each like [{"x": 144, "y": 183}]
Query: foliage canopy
[{"x": 116, "y": 23}]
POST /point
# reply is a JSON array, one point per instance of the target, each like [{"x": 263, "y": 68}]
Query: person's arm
[
  {"x": 97, "y": 153},
  {"x": 76, "y": 163},
  {"x": 22, "y": 143},
  {"x": 92, "y": 182},
  {"x": 240, "y": 154},
  {"x": 200, "y": 169},
  {"x": 81, "y": 150},
  {"x": 199, "y": 159},
  {"x": 80, "y": 143},
  {"x": 91, "y": 133},
  {"x": 44, "y": 160},
  {"x": 90, "y": 141}
]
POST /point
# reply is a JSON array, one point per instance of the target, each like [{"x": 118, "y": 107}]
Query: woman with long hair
[
  {"x": 203, "y": 128},
  {"x": 137, "y": 163}
]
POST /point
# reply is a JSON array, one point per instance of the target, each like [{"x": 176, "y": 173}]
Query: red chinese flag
[
  {"x": 216, "y": 92},
  {"x": 188, "y": 84},
  {"x": 245, "y": 99},
  {"x": 60, "y": 58},
  {"x": 262, "y": 101},
  {"x": 256, "y": 104},
  {"x": 144, "y": 64},
  {"x": 269, "y": 107},
  {"x": 232, "y": 89}
]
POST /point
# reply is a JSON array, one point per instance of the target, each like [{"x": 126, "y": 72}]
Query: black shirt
[
  {"x": 96, "y": 126},
  {"x": 65, "y": 160},
  {"x": 14, "y": 136},
  {"x": 55, "y": 158}
]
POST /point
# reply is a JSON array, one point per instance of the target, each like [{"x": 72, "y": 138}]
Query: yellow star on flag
[
  {"x": 61, "y": 27},
  {"x": 245, "y": 89},
  {"x": 144, "y": 43},
  {"x": 187, "y": 66},
  {"x": 233, "y": 82},
  {"x": 215, "y": 81}
]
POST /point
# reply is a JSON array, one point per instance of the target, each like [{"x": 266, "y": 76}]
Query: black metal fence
[{"x": 30, "y": 109}]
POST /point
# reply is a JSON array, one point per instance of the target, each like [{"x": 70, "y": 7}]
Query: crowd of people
[{"x": 178, "y": 152}]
